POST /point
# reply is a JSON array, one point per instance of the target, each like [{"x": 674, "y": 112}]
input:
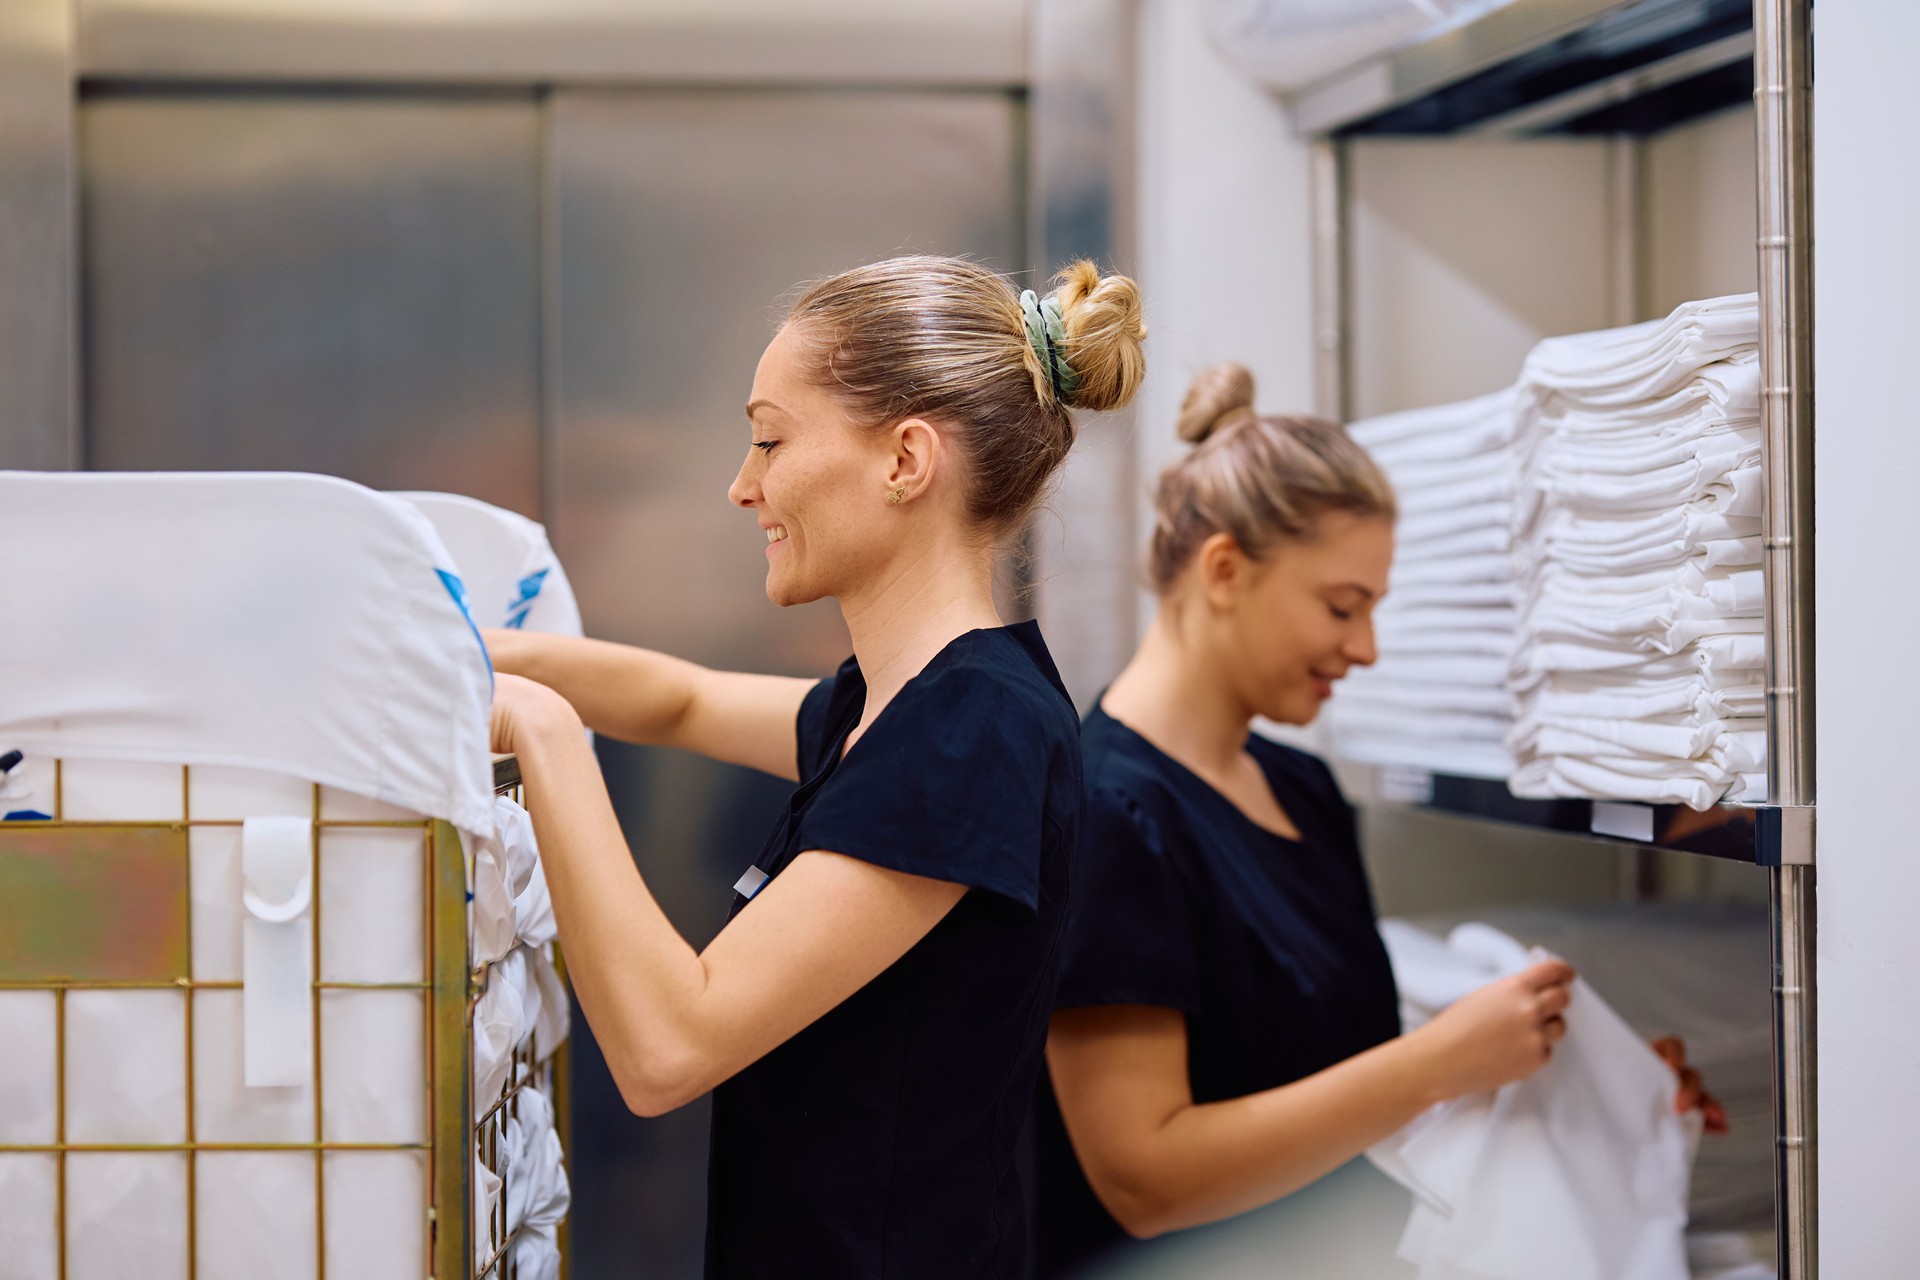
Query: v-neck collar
[
  {"x": 851, "y": 688},
  {"x": 1195, "y": 782}
]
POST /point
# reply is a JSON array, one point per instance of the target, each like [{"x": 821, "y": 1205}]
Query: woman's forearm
[
  {"x": 635, "y": 695},
  {"x": 1209, "y": 1161},
  {"x": 636, "y": 977}
]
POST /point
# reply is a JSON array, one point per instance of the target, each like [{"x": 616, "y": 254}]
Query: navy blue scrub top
[
  {"x": 1268, "y": 945},
  {"x": 881, "y": 1140}
]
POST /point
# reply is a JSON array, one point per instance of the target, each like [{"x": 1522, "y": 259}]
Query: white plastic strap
[{"x": 276, "y": 888}]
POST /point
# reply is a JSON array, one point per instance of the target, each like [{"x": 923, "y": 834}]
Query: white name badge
[{"x": 750, "y": 882}]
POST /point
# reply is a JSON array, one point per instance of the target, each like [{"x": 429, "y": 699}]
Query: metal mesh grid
[{"x": 450, "y": 990}]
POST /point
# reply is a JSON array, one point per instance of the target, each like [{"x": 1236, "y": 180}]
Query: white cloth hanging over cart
[
  {"x": 513, "y": 579},
  {"x": 294, "y": 623}
]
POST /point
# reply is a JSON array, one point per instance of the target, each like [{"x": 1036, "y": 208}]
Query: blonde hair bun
[
  {"x": 1105, "y": 335},
  {"x": 1221, "y": 395}
]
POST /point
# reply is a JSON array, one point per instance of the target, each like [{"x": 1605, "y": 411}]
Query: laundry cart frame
[
  {"x": 1543, "y": 66},
  {"x": 106, "y": 906}
]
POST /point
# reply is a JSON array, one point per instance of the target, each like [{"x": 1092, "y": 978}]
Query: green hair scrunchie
[{"x": 1047, "y": 335}]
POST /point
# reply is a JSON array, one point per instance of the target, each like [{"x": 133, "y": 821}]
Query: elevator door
[
  {"x": 682, "y": 218},
  {"x": 343, "y": 283}
]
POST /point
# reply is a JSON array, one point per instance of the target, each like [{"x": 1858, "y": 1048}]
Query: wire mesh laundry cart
[{"x": 96, "y": 909}]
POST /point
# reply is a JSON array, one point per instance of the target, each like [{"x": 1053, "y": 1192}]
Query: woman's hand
[
  {"x": 1692, "y": 1096},
  {"x": 1503, "y": 1032},
  {"x": 522, "y": 709}
]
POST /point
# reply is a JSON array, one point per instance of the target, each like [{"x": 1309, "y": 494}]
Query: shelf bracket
[{"x": 1785, "y": 835}]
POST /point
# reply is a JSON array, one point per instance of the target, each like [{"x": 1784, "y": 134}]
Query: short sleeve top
[
  {"x": 1268, "y": 945},
  {"x": 881, "y": 1140}
]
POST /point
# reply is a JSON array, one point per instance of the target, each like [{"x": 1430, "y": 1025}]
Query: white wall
[
  {"x": 1465, "y": 254},
  {"x": 1224, "y": 232},
  {"x": 1698, "y": 208},
  {"x": 1866, "y": 612}
]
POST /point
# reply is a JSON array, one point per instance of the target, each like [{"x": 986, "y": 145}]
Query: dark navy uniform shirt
[
  {"x": 1267, "y": 945},
  {"x": 881, "y": 1140}
]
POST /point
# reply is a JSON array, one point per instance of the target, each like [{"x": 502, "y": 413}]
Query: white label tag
[
  {"x": 1623, "y": 820},
  {"x": 1400, "y": 785},
  {"x": 750, "y": 882}
]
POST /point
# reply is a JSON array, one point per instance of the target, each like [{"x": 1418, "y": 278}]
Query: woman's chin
[{"x": 787, "y": 594}]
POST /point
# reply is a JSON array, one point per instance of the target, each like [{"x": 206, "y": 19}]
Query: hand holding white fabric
[
  {"x": 1579, "y": 1172},
  {"x": 1503, "y": 1032}
]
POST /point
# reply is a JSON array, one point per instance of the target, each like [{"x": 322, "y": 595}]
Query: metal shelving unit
[{"x": 1608, "y": 67}]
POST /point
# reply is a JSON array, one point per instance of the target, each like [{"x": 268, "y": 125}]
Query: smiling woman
[
  {"x": 872, "y": 1018},
  {"x": 1227, "y": 1028}
]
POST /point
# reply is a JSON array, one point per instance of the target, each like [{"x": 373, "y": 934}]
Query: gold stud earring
[{"x": 895, "y": 495}]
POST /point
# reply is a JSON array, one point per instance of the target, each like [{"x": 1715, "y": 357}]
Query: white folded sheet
[{"x": 1636, "y": 546}]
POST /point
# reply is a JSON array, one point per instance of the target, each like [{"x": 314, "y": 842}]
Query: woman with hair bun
[
  {"x": 1227, "y": 1028},
  {"x": 872, "y": 1017}
]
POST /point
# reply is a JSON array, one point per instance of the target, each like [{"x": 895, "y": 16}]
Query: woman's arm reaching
[
  {"x": 637, "y": 695},
  {"x": 673, "y": 1022}
]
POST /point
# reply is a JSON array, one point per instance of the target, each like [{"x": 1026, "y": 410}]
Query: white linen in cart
[
  {"x": 27, "y": 1069},
  {"x": 510, "y": 899},
  {"x": 126, "y": 1067},
  {"x": 126, "y": 1215},
  {"x": 376, "y": 1229},
  {"x": 536, "y": 1186},
  {"x": 524, "y": 999},
  {"x": 29, "y": 1229},
  {"x": 256, "y": 1215},
  {"x": 1579, "y": 1173},
  {"x": 342, "y": 652},
  {"x": 512, "y": 577}
]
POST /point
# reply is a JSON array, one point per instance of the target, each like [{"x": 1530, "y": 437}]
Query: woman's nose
[
  {"x": 743, "y": 492},
  {"x": 1361, "y": 649}
]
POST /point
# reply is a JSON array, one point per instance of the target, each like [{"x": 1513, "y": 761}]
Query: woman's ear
[
  {"x": 1223, "y": 569},
  {"x": 916, "y": 451}
]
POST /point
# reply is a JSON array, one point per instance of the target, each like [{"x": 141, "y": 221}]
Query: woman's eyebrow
[
  {"x": 753, "y": 405},
  {"x": 1353, "y": 586}
]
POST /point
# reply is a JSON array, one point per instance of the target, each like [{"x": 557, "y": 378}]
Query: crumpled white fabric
[
  {"x": 536, "y": 1186},
  {"x": 513, "y": 579},
  {"x": 295, "y": 623},
  {"x": 510, "y": 899},
  {"x": 486, "y": 1203},
  {"x": 524, "y": 999},
  {"x": 1579, "y": 1172}
]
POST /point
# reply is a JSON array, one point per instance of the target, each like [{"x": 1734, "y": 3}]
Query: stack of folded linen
[
  {"x": 1437, "y": 699},
  {"x": 1638, "y": 673}
]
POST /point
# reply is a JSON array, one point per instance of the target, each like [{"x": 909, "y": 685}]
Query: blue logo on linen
[
  {"x": 458, "y": 590},
  {"x": 529, "y": 591}
]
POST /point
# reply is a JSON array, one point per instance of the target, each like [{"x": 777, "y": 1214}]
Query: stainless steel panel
[
  {"x": 978, "y": 43},
  {"x": 37, "y": 426},
  {"x": 1085, "y": 542},
  {"x": 680, "y": 219},
  {"x": 338, "y": 284}
]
